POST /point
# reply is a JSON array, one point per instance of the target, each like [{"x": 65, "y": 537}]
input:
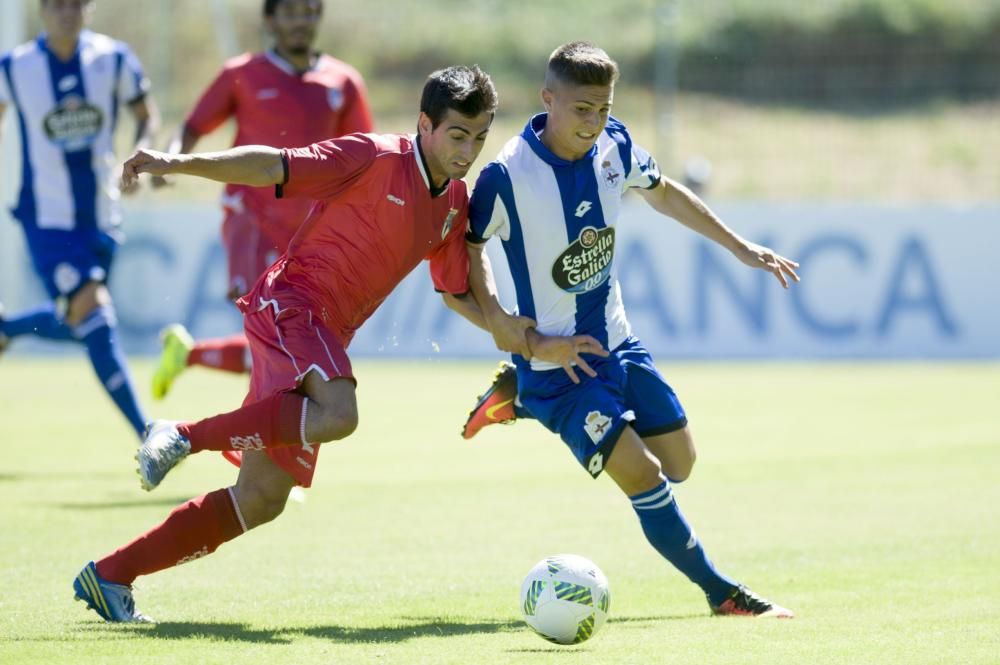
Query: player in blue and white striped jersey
[
  {"x": 67, "y": 87},
  {"x": 553, "y": 197}
]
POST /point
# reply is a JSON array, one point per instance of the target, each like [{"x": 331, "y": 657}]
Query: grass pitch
[{"x": 861, "y": 496}]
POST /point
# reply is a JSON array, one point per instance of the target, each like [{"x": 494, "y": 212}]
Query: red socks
[
  {"x": 197, "y": 528},
  {"x": 193, "y": 530},
  {"x": 230, "y": 354},
  {"x": 274, "y": 421}
]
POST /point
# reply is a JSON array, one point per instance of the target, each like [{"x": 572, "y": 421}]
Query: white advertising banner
[{"x": 878, "y": 282}]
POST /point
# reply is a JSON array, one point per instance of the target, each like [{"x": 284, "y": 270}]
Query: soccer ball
[{"x": 565, "y": 598}]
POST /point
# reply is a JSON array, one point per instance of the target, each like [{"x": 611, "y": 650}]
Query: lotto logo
[
  {"x": 251, "y": 442},
  {"x": 596, "y": 464},
  {"x": 583, "y": 208}
]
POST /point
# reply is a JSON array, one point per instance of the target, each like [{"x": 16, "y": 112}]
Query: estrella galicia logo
[
  {"x": 74, "y": 124},
  {"x": 585, "y": 264}
]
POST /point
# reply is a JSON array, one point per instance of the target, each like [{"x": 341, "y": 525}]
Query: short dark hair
[
  {"x": 271, "y": 5},
  {"x": 468, "y": 90},
  {"x": 581, "y": 63}
]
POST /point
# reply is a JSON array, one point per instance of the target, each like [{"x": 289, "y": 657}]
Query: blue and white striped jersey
[
  {"x": 67, "y": 113},
  {"x": 557, "y": 219}
]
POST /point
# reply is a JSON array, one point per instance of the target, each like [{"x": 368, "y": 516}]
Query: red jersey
[
  {"x": 376, "y": 218},
  {"x": 275, "y": 105}
]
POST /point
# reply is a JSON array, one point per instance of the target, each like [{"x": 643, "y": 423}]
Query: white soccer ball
[{"x": 565, "y": 598}]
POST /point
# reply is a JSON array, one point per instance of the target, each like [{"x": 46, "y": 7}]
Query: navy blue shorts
[
  {"x": 591, "y": 415},
  {"x": 65, "y": 268}
]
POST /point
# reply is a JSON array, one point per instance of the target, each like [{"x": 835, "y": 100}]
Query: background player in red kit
[
  {"x": 385, "y": 203},
  {"x": 285, "y": 97}
]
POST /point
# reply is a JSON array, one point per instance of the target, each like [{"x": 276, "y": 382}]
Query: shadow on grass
[
  {"x": 662, "y": 617},
  {"x": 49, "y": 476},
  {"x": 576, "y": 648},
  {"x": 123, "y": 503},
  {"x": 407, "y": 628},
  {"x": 241, "y": 632}
]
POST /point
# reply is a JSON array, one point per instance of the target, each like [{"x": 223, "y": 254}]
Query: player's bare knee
[
  {"x": 680, "y": 470},
  {"x": 332, "y": 410},
  {"x": 260, "y": 504},
  {"x": 338, "y": 425},
  {"x": 264, "y": 513},
  {"x": 331, "y": 422},
  {"x": 676, "y": 452},
  {"x": 640, "y": 476},
  {"x": 86, "y": 300},
  {"x": 678, "y": 475},
  {"x": 647, "y": 477}
]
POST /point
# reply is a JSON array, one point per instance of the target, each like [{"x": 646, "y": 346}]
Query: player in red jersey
[
  {"x": 285, "y": 97},
  {"x": 384, "y": 204}
]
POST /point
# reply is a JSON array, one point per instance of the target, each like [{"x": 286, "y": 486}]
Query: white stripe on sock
[
  {"x": 99, "y": 318},
  {"x": 659, "y": 504},
  {"x": 236, "y": 509},
  {"x": 115, "y": 381},
  {"x": 302, "y": 423},
  {"x": 656, "y": 496}
]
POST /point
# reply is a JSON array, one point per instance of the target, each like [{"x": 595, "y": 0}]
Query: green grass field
[{"x": 862, "y": 496}]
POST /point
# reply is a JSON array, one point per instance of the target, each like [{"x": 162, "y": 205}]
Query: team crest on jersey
[
  {"x": 66, "y": 277},
  {"x": 596, "y": 426},
  {"x": 335, "y": 98},
  {"x": 74, "y": 124},
  {"x": 585, "y": 264},
  {"x": 610, "y": 175},
  {"x": 447, "y": 223}
]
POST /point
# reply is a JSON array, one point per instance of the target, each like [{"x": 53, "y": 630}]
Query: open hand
[
  {"x": 565, "y": 352},
  {"x": 758, "y": 256}
]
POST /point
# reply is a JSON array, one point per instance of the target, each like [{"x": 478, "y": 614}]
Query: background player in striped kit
[
  {"x": 553, "y": 196},
  {"x": 66, "y": 87},
  {"x": 287, "y": 96}
]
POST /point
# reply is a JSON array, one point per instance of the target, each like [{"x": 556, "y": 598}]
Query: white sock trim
[
  {"x": 302, "y": 422},
  {"x": 654, "y": 506},
  {"x": 656, "y": 500},
  {"x": 236, "y": 509},
  {"x": 101, "y": 316}
]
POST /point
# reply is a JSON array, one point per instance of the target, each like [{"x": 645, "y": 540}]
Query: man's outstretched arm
[
  {"x": 675, "y": 200},
  {"x": 255, "y": 165}
]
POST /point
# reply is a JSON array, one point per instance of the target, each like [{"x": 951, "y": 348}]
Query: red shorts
[
  {"x": 249, "y": 251},
  {"x": 286, "y": 344}
]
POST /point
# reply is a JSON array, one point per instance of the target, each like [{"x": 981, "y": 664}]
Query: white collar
[
  {"x": 287, "y": 67},
  {"x": 422, "y": 167}
]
